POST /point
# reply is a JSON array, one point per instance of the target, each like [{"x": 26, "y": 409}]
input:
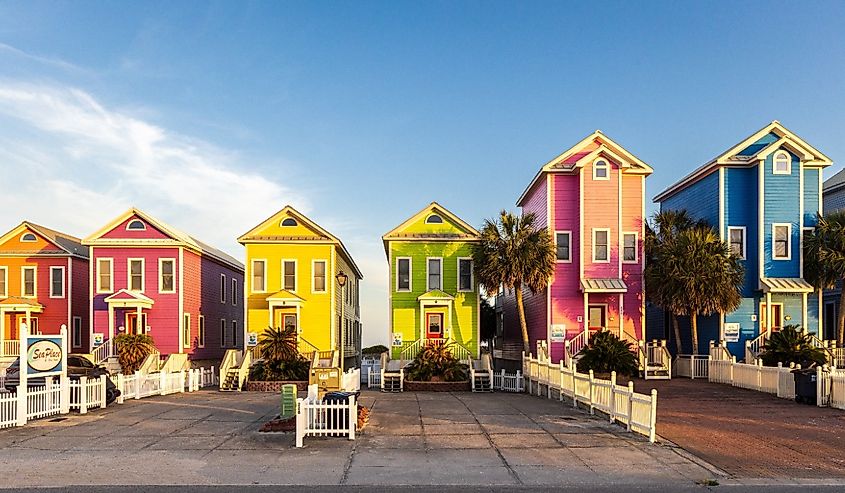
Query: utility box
[{"x": 325, "y": 371}]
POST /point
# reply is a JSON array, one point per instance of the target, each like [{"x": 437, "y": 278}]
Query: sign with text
[
  {"x": 252, "y": 339},
  {"x": 732, "y": 332},
  {"x": 44, "y": 356},
  {"x": 397, "y": 339},
  {"x": 98, "y": 338},
  {"x": 558, "y": 333}
]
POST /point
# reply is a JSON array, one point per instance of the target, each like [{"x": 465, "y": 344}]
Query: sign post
[{"x": 42, "y": 356}]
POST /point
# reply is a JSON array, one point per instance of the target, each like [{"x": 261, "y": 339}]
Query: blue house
[
  {"x": 761, "y": 195},
  {"x": 833, "y": 198}
]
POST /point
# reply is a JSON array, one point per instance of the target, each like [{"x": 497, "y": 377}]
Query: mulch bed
[{"x": 274, "y": 386}]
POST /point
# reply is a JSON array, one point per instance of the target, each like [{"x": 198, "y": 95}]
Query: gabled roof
[
  {"x": 17, "y": 302},
  {"x": 435, "y": 294},
  {"x": 574, "y": 158},
  {"x": 749, "y": 151},
  {"x": 835, "y": 182},
  {"x": 127, "y": 298},
  {"x": 462, "y": 230},
  {"x": 178, "y": 238},
  {"x": 65, "y": 243},
  {"x": 321, "y": 235},
  {"x": 285, "y": 295}
]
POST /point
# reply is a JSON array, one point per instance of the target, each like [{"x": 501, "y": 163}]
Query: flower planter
[
  {"x": 274, "y": 386},
  {"x": 414, "y": 386}
]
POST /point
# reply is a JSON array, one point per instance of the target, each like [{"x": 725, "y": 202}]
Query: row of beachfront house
[{"x": 139, "y": 275}]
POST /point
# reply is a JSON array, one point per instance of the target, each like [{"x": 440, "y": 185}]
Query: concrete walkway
[
  {"x": 211, "y": 438},
  {"x": 750, "y": 434}
]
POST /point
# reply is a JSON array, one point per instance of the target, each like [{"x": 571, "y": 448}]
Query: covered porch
[
  {"x": 435, "y": 326},
  {"x": 15, "y": 311},
  {"x": 284, "y": 312},
  {"x": 127, "y": 312}
]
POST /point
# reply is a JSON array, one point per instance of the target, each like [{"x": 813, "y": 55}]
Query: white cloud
[{"x": 73, "y": 163}]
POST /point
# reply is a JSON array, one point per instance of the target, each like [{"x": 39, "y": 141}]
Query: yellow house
[{"x": 292, "y": 280}]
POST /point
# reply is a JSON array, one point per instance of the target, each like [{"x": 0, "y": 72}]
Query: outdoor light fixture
[{"x": 341, "y": 278}]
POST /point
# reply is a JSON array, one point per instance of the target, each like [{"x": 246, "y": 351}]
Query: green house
[{"x": 433, "y": 293}]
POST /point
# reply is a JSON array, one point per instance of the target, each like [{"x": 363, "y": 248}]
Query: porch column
[
  {"x": 111, "y": 321},
  {"x": 586, "y": 311},
  {"x": 449, "y": 308},
  {"x": 768, "y": 312},
  {"x": 622, "y": 315},
  {"x": 2, "y": 332},
  {"x": 142, "y": 328},
  {"x": 423, "y": 331},
  {"x": 804, "y": 312},
  {"x": 28, "y": 321}
]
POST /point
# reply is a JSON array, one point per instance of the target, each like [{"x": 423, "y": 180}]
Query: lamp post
[{"x": 341, "y": 281}]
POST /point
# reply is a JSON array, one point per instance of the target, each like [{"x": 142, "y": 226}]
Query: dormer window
[
  {"x": 601, "y": 170},
  {"x": 289, "y": 222},
  {"x": 136, "y": 225},
  {"x": 434, "y": 219},
  {"x": 28, "y": 238},
  {"x": 782, "y": 163}
]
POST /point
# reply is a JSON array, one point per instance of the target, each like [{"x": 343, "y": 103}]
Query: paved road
[
  {"x": 748, "y": 433},
  {"x": 439, "y": 489},
  {"x": 211, "y": 438}
]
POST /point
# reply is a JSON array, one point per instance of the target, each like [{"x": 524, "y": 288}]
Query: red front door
[{"x": 434, "y": 325}]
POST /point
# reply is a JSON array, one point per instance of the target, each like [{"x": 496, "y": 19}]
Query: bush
[
  {"x": 274, "y": 371},
  {"x": 435, "y": 362},
  {"x": 132, "y": 350},
  {"x": 276, "y": 344},
  {"x": 791, "y": 345},
  {"x": 378, "y": 349},
  {"x": 606, "y": 353}
]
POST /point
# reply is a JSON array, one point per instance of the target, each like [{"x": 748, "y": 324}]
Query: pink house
[
  {"x": 148, "y": 277},
  {"x": 592, "y": 200}
]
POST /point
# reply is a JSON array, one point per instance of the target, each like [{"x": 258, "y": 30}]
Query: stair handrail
[
  {"x": 309, "y": 345},
  {"x": 230, "y": 360},
  {"x": 755, "y": 346},
  {"x": 825, "y": 346},
  {"x": 243, "y": 369},
  {"x": 103, "y": 352},
  {"x": 719, "y": 352},
  {"x": 574, "y": 346}
]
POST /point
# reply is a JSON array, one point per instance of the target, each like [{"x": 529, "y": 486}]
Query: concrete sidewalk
[{"x": 211, "y": 438}]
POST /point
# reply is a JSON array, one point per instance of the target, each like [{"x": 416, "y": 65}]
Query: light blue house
[
  {"x": 833, "y": 197},
  {"x": 761, "y": 195}
]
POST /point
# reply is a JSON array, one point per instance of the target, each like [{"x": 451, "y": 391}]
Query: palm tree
[
  {"x": 701, "y": 276},
  {"x": 276, "y": 344},
  {"x": 514, "y": 253},
  {"x": 660, "y": 232},
  {"x": 824, "y": 260}
]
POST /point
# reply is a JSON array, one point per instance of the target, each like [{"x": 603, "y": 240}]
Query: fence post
[
  {"x": 102, "y": 391},
  {"x": 182, "y": 381},
  {"x": 612, "y": 397},
  {"x": 83, "y": 395},
  {"x": 353, "y": 417},
  {"x": 64, "y": 381},
  {"x": 161, "y": 382},
  {"x": 820, "y": 387},
  {"x": 592, "y": 398},
  {"x": 120, "y": 386},
  {"x": 630, "y": 410},
  {"x": 652, "y": 426},
  {"x": 731, "y": 369},
  {"x": 560, "y": 374},
  {"x": 137, "y": 384},
  {"x": 300, "y": 423},
  {"x": 572, "y": 372}
]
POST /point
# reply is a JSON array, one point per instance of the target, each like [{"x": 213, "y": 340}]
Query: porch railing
[
  {"x": 574, "y": 346},
  {"x": 103, "y": 352},
  {"x": 755, "y": 346},
  {"x": 411, "y": 350},
  {"x": 11, "y": 348}
]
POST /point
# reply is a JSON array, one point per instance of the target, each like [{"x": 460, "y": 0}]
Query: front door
[
  {"x": 830, "y": 319},
  {"x": 597, "y": 317},
  {"x": 135, "y": 324},
  {"x": 777, "y": 316},
  {"x": 434, "y": 325}
]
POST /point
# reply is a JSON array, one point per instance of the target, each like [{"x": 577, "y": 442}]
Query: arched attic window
[
  {"x": 289, "y": 222},
  {"x": 782, "y": 163},
  {"x": 434, "y": 219},
  {"x": 136, "y": 225},
  {"x": 601, "y": 169},
  {"x": 28, "y": 238}
]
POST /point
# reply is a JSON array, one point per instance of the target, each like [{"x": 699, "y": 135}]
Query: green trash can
[{"x": 288, "y": 400}]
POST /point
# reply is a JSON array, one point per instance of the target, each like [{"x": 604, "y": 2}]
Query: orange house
[{"x": 44, "y": 283}]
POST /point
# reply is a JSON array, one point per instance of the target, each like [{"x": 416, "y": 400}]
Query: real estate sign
[
  {"x": 44, "y": 356},
  {"x": 732, "y": 332}
]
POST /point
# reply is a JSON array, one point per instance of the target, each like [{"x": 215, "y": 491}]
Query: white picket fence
[
  {"x": 692, "y": 366},
  {"x": 777, "y": 380},
  {"x": 509, "y": 382},
  {"x": 836, "y": 388},
  {"x": 44, "y": 400},
  {"x": 88, "y": 394},
  {"x": 374, "y": 378},
  {"x": 319, "y": 418},
  {"x": 638, "y": 412},
  {"x": 140, "y": 385}
]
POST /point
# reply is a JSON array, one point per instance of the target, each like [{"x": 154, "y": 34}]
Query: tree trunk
[
  {"x": 677, "y": 334},
  {"x": 840, "y": 339},
  {"x": 693, "y": 318},
  {"x": 520, "y": 307}
]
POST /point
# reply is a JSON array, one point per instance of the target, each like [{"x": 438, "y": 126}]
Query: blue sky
[{"x": 212, "y": 116}]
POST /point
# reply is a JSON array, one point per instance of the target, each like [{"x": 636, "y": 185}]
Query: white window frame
[
  {"x": 778, "y": 154},
  {"x": 234, "y": 291},
  {"x": 636, "y": 247},
  {"x": 295, "y": 276},
  {"x": 564, "y": 232},
  {"x": 74, "y": 341},
  {"x": 222, "y": 332},
  {"x": 34, "y": 270},
  {"x": 410, "y": 275},
  {"x": 744, "y": 254},
  {"x": 136, "y": 220},
  {"x": 28, "y": 233},
  {"x": 186, "y": 327},
  {"x": 222, "y": 288},
  {"x": 607, "y": 260},
  {"x": 471, "y": 275},
  {"x": 64, "y": 288},
  {"x": 427, "y": 273},
  {"x": 606, "y": 168},
  {"x": 200, "y": 331},
  {"x": 129, "y": 274},
  {"x": 100, "y": 289},
  {"x": 325, "y": 276},
  {"x": 161, "y": 262},
  {"x": 252, "y": 275},
  {"x": 5, "y": 274},
  {"x": 788, "y": 227}
]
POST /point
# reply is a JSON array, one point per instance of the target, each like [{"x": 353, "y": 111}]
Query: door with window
[
  {"x": 597, "y": 317},
  {"x": 777, "y": 316},
  {"x": 434, "y": 325},
  {"x": 136, "y": 324}
]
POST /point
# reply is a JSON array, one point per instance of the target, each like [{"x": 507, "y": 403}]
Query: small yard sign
[
  {"x": 98, "y": 338},
  {"x": 252, "y": 339},
  {"x": 732, "y": 332}
]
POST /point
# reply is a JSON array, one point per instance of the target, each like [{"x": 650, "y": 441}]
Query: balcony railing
[{"x": 11, "y": 348}]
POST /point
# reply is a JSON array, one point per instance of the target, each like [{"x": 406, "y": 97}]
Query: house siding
[
  {"x": 781, "y": 205},
  {"x": 701, "y": 200}
]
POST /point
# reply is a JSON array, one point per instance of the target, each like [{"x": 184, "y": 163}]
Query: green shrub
[
  {"x": 378, "y": 349},
  {"x": 791, "y": 345},
  {"x": 276, "y": 344},
  {"x": 606, "y": 353},
  {"x": 435, "y": 362},
  {"x": 132, "y": 350},
  {"x": 274, "y": 371}
]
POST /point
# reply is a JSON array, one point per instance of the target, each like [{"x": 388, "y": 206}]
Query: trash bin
[
  {"x": 805, "y": 386},
  {"x": 336, "y": 419}
]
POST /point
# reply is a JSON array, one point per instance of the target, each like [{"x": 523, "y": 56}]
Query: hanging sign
[
  {"x": 558, "y": 333},
  {"x": 252, "y": 339},
  {"x": 44, "y": 356},
  {"x": 397, "y": 339},
  {"x": 732, "y": 332},
  {"x": 98, "y": 339}
]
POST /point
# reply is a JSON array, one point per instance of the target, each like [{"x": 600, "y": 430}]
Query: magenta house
[
  {"x": 148, "y": 277},
  {"x": 592, "y": 200}
]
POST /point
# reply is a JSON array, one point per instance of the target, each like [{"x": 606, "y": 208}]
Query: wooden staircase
[
  {"x": 655, "y": 360},
  {"x": 392, "y": 374},
  {"x": 234, "y": 370},
  {"x": 229, "y": 382},
  {"x": 481, "y": 374}
]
